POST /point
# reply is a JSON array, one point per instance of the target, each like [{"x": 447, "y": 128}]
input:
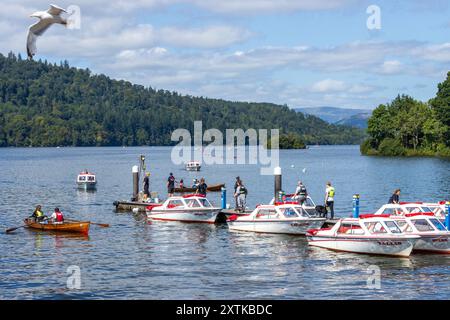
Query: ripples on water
[{"x": 137, "y": 259}]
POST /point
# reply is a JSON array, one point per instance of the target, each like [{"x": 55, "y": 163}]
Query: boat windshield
[
  {"x": 81, "y": 178},
  {"x": 405, "y": 226},
  {"x": 301, "y": 212},
  {"x": 350, "y": 228},
  {"x": 205, "y": 203},
  {"x": 267, "y": 214},
  {"x": 289, "y": 212},
  {"x": 175, "y": 203},
  {"x": 416, "y": 209},
  {"x": 375, "y": 227},
  {"x": 309, "y": 203},
  {"x": 438, "y": 224},
  {"x": 392, "y": 211},
  {"x": 422, "y": 225},
  {"x": 392, "y": 226},
  {"x": 193, "y": 203}
]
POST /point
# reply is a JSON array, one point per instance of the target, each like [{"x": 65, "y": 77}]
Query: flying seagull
[{"x": 46, "y": 19}]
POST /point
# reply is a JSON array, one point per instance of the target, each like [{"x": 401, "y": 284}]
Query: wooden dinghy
[
  {"x": 211, "y": 188},
  {"x": 73, "y": 226}
]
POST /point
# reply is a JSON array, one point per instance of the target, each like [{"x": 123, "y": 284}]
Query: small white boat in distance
[
  {"x": 86, "y": 180},
  {"x": 188, "y": 208},
  {"x": 193, "y": 166},
  {"x": 285, "y": 218},
  {"x": 434, "y": 237},
  {"x": 369, "y": 234}
]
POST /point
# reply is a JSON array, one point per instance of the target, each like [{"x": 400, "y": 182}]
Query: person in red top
[{"x": 57, "y": 216}]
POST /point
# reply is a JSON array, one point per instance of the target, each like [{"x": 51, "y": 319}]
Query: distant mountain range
[{"x": 341, "y": 116}]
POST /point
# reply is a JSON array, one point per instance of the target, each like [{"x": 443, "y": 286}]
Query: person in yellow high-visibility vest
[{"x": 329, "y": 199}]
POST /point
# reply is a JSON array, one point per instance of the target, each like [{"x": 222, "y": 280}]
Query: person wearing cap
[
  {"x": 57, "y": 217},
  {"x": 146, "y": 185},
  {"x": 170, "y": 185}
]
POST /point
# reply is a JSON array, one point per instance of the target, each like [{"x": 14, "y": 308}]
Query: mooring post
[
  {"x": 224, "y": 197},
  {"x": 277, "y": 181},
  {"x": 447, "y": 218},
  {"x": 356, "y": 206},
  {"x": 135, "y": 171}
]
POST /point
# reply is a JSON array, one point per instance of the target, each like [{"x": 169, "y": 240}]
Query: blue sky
[{"x": 294, "y": 52}]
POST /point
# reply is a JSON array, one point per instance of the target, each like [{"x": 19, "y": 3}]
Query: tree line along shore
[
  {"x": 408, "y": 127},
  {"x": 45, "y": 105}
]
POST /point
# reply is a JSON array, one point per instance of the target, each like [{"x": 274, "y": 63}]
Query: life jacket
[
  {"x": 243, "y": 190},
  {"x": 39, "y": 214},
  {"x": 59, "y": 217},
  {"x": 331, "y": 192},
  {"x": 302, "y": 190}
]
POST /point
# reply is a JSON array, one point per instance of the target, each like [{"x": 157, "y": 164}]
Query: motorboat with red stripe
[
  {"x": 368, "y": 234},
  {"x": 434, "y": 236},
  {"x": 187, "y": 208},
  {"x": 285, "y": 218}
]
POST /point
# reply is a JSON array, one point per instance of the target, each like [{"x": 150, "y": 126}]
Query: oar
[
  {"x": 104, "y": 225},
  {"x": 12, "y": 229}
]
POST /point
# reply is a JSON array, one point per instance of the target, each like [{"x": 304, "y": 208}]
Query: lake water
[{"x": 137, "y": 259}]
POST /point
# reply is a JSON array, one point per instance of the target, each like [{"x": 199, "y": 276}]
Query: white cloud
[
  {"x": 211, "y": 37},
  {"x": 328, "y": 85},
  {"x": 391, "y": 67}
]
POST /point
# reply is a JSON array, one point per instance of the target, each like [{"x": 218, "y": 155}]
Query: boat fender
[{"x": 233, "y": 217}]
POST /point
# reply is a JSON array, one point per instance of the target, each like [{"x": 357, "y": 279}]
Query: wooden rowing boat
[
  {"x": 211, "y": 188},
  {"x": 77, "y": 227}
]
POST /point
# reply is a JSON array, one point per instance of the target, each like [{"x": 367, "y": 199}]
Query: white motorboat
[
  {"x": 403, "y": 208},
  {"x": 434, "y": 237},
  {"x": 188, "y": 208},
  {"x": 193, "y": 166},
  {"x": 369, "y": 234},
  {"x": 308, "y": 205},
  {"x": 286, "y": 218},
  {"x": 86, "y": 180}
]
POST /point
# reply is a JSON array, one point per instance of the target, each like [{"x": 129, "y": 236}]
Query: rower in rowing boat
[
  {"x": 38, "y": 215},
  {"x": 57, "y": 217}
]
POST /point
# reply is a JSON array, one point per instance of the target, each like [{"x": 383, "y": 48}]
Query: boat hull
[
  {"x": 399, "y": 247},
  {"x": 295, "y": 227},
  {"x": 197, "y": 216},
  {"x": 433, "y": 244},
  {"x": 72, "y": 227},
  {"x": 87, "y": 185},
  {"x": 193, "y": 168}
]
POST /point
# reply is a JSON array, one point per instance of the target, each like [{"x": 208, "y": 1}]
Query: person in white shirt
[{"x": 329, "y": 199}]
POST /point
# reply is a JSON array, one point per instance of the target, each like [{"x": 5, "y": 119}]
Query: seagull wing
[
  {"x": 55, "y": 10},
  {"x": 34, "y": 31},
  {"x": 31, "y": 44},
  {"x": 40, "y": 27}
]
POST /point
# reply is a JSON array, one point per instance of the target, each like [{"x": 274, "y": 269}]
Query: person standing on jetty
[
  {"x": 395, "y": 198},
  {"x": 329, "y": 199},
  {"x": 241, "y": 196},
  {"x": 202, "y": 187},
  {"x": 170, "y": 185},
  {"x": 146, "y": 185},
  {"x": 300, "y": 193},
  {"x": 236, "y": 185}
]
